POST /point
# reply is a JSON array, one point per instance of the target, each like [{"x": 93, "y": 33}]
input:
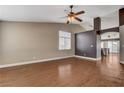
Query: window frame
[{"x": 65, "y": 38}]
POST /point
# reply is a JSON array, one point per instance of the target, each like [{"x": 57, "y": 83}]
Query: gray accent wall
[
  {"x": 85, "y": 44},
  {"x": 88, "y": 44}
]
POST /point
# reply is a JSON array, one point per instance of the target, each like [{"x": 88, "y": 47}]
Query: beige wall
[{"x": 20, "y": 42}]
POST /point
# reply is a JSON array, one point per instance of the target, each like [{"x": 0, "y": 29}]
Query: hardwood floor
[{"x": 67, "y": 72}]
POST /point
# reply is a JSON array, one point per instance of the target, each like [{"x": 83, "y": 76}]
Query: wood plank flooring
[{"x": 71, "y": 72}]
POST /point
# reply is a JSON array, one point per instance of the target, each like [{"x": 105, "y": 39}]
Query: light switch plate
[{"x": 91, "y": 45}]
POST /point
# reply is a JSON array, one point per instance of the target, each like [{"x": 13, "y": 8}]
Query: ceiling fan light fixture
[
  {"x": 70, "y": 18},
  {"x": 74, "y": 16}
]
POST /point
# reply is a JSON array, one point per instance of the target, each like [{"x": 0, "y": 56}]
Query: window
[{"x": 64, "y": 40}]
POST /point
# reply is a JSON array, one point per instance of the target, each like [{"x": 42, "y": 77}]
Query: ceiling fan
[{"x": 71, "y": 15}]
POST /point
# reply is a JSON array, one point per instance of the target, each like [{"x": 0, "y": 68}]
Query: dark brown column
[
  {"x": 121, "y": 17},
  {"x": 97, "y": 25}
]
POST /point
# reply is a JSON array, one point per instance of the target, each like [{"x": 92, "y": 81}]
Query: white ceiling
[{"x": 54, "y": 13}]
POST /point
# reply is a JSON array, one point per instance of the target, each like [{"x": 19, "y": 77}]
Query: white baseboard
[
  {"x": 34, "y": 61},
  {"x": 122, "y": 62},
  {"x": 88, "y": 58},
  {"x": 45, "y": 60}
]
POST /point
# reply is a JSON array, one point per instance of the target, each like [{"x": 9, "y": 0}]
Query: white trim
[
  {"x": 34, "y": 61},
  {"x": 122, "y": 62},
  {"x": 88, "y": 58},
  {"x": 45, "y": 60}
]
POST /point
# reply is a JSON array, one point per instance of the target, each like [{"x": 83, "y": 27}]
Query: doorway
[{"x": 110, "y": 45}]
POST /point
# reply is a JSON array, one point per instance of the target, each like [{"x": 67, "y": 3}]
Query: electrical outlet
[{"x": 84, "y": 54}]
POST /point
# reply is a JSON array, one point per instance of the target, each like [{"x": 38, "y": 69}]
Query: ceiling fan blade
[
  {"x": 68, "y": 22},
  {"x": 78, "y": 13},
  {"x": 78, "y": 19},
  {"x": 66, "y": 11}
]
